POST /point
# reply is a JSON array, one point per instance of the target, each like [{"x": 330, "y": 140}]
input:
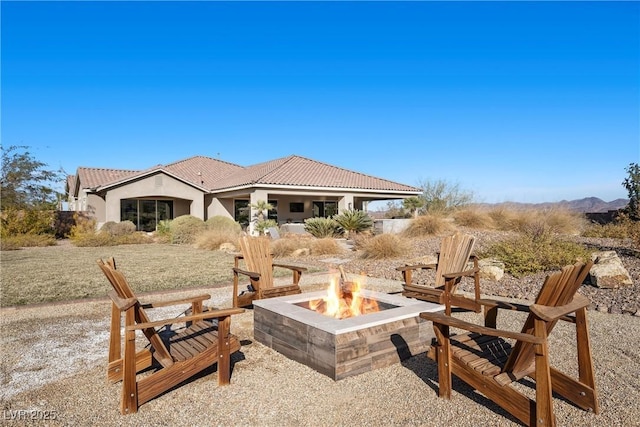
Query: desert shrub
[
  {"x": 212, "y": 239},
  {"x": 326, "y": 246},
  {"x": 163, "y": 231},
  {"x": 18, "y": 241},
  {"x": 427, "y": 225},
  {"x": 323, "y": 227},
  {"x": 612, "y": 230},
  {"x": 135, "y": 238},
  {"x": 262, "y": 225},
  {"x": 502, "y": 218},
  {"x": 94, "y": 239},
  {"x": 287, "y": 245},
  {"x": 115, "y": 229},
  {"x": 529, "y": 253},
  {"x": 622, "y": 228},
  {"x": 382, "y": 246},
  {"x": 472, "y": 218},
  {"x": 354, "y": 221},
  {"x": 82, "y": 225},
  {"x": 26, "y": 221},
  {"x": 185, "y": 228},
  {"x": 220, "y": 222}
]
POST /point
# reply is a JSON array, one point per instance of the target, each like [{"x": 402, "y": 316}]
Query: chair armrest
[
  {"x": 251, "y": 274},
  {"x": 553, "y": 313},
  {"x": 122, "y": 303},
  {"x": 416, "y": 267},
  {"x": 465, "y": 273},
  {"x": 291, "y": 267},
  {"x": 188, "y": 300},
  {"x": 442, "y": 319},
  {"x": 490, "y": 303},
  {"x": 211, "y": 314}
]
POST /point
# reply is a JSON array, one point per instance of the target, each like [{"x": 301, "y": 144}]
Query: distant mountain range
[{"x": 586, "y": 205}]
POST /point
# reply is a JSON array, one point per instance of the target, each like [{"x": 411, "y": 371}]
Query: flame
[{"x": 343, "y": 301}]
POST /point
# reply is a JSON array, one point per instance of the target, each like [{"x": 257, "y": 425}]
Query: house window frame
[
  {"x": 319, "y": 208},
  {"x": 135, "y": 208}
]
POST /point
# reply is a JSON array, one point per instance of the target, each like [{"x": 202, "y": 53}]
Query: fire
[{"x": 343, "y": 300}]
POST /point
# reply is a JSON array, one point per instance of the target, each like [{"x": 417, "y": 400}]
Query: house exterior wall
[
  {"x": 94, "y": 205},
  {"x": 187, "y": 199}
]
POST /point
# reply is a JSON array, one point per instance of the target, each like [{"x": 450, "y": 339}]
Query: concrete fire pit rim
[{"x": 286, "y": 306}]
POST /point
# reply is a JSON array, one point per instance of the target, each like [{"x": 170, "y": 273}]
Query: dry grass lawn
[{"x": 66, "y": 272}]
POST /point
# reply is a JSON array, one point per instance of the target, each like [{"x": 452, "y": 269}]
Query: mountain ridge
[{"x": 584, "y": 205}]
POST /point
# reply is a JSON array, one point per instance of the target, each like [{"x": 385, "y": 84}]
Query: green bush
[
  {"x": 532, "y": 253},
  {"x": 354, "y": 221},
  {"x": 185, "y": 228},
  {"x": 26, "y": 221},
  {"x": 323, "y": 227}
]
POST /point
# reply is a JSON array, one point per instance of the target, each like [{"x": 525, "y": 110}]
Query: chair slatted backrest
[
  {"x": 257, "y": 255},
  {"x": 558, "y": 289},
  {"x": 454, "y": 254},
  {"x": 124, "y": 291}
]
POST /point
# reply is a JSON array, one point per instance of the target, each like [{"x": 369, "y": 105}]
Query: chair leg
[
  {"x": 443, "y": 354},
  {"x": 129, "y": 402},
  {"x": 224, "y": 355},
  {"x": 544, "y": 415}
]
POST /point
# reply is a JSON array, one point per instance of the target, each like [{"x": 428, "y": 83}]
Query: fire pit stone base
[{"x": 340, "y": 348}]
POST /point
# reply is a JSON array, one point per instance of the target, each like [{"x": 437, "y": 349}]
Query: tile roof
[
  {"x": 303, "y": 172},
  {"x": 217, "y": 175}
]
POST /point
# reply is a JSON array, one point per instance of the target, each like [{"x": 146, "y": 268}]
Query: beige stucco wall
[{"x": 156, "y": 186}]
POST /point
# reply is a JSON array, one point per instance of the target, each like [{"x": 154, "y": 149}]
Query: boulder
[
  {"x": 491, "y": 269},
  {"x": 608, "y": 271}
]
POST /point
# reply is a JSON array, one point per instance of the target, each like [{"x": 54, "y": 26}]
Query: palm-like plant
[
  {"x": 354, "y": 220},
  {"x": 413, "y": 204},
  {"x": 261, "y": 206}
]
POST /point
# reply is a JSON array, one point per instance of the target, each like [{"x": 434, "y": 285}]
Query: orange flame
[{"x": 343, "y": 301}]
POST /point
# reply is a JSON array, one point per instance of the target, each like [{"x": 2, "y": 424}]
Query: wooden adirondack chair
[
  {"x": 197, "y": 346},
  {"x": 451, "y": 267},
  {"x": 485, "y": 359},
  {"x": 256, "y": 252}
]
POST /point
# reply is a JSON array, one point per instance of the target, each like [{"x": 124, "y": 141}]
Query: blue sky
[{"x": 512, "y": 101}]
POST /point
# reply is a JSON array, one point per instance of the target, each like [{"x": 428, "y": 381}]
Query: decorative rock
[
  {"x": 491, "y": 269},
  {"x": 608, "y": 271},
  {"x": 301, "y": 252},
  {"x": 228, "y": 247}
]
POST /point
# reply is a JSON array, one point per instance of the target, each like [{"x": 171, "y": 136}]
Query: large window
[
  {"x": 144, "y": 213},
  {"x": 241, "y": 212},
  {"x": 325, "y": 209},
  {"x": 273, "y": 213}
]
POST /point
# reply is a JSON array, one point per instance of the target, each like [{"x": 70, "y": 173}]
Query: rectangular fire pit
[{"x": 341, "y": 348}]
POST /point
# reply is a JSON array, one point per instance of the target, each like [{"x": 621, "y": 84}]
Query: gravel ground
[
  {"x": 625, "y": 300},
  {"x": 54, "y": 361}
]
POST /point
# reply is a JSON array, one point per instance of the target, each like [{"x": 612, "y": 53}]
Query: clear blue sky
[{"x": 512, "y": 101}]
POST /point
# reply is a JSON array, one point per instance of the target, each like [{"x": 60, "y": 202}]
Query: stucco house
[{"x": 297, "y": 187}]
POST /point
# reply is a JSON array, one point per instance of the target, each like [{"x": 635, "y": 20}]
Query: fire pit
[{"x": 343, "y": 347}]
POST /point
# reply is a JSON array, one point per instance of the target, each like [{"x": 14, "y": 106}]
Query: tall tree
[{"x": 26, "y": 183}]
